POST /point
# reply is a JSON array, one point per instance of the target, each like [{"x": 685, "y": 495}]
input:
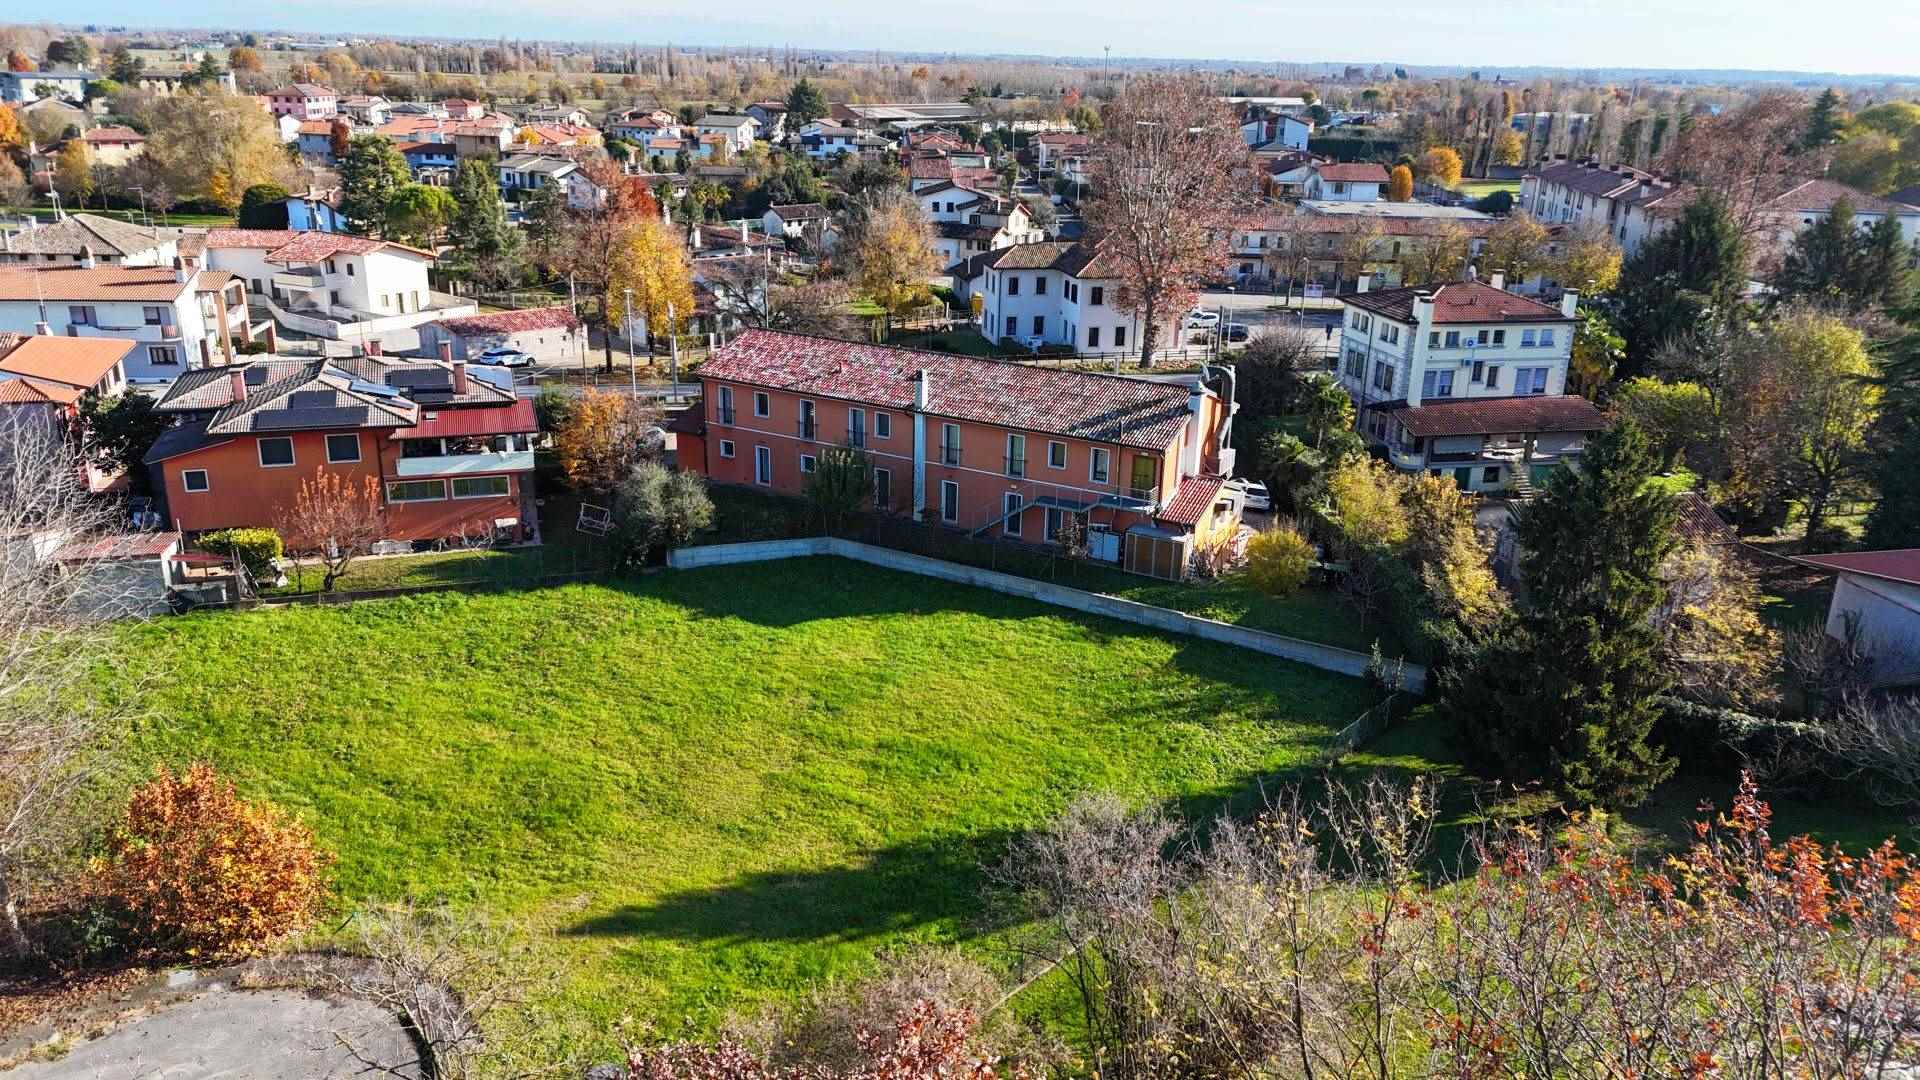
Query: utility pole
[{"x": 673, "y": 352}]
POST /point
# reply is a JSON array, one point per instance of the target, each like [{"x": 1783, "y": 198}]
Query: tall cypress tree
[
  {"x": 1691, "y": 274},
  {"x": 485, "y": 243},
  {"x": 1566, "y": 693},
  {"x": 1824, "y": 121},
  {"x": 1894, "y": 521},
  {"x": 1820, "y": 266}
]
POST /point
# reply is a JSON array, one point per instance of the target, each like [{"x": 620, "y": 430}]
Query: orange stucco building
[
  {"x": 449, "y": 451},
  {"x": 992, "y": 448}
]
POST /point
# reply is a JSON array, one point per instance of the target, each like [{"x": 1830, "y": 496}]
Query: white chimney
[
  {"x": 1498, "y": 280},
  {"x": 86, "y": 256},
  {"x": 1190, "y": 446},
  {"x": 1364, "y": 283},
  {"x": 1423, "y": 311},
  {"x": 179, "y": 270},
  {"x": 922, "y": 389},
  {"x": 1569, "y": 301},
  {"x": 43, "y": 329}
]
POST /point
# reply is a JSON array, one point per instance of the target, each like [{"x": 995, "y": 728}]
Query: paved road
[{"x": 237, "y": 1034}]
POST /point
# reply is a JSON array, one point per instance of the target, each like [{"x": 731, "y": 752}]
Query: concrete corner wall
[{"x": 1311, "y": 653}]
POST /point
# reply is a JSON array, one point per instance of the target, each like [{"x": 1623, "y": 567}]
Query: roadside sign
[{"x": 1313, "y": 292}]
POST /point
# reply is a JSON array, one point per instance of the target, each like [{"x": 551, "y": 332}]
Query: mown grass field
[{"x": 709, "y": 788}]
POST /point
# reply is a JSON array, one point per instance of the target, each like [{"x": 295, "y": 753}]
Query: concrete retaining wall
[{"x": 1312, "y": 653}]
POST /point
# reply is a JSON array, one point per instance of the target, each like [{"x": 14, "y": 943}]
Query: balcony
[
  {"x": 949, "y": 455},
  {"x": 301, "y": 280},
  {"x": 495, "y": 461},
  {"x": 162, "y": 332},
  {"x": 723, "y": 415},
  {"x": 1141, "y": 500},
  {"x": 808, "y": 429},
  {"x": 1015, "y": 466}
]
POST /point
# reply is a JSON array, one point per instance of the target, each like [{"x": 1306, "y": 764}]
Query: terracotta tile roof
[
  {"x": 930, "y": 168},
  {"x": 317, "y": 396},
  {"x": 1493, "y": 416},
  {"x": 76, "y": 232},
  {"x": 1899, "y": 564},
  {"x": 1353, "y": 173},
  {"x": 1699, "y": 521},
  {"x": 33, "y": 392},
  {"x": 315, "y": 127},
  {"x": 212, "y": 387},
  {"x": 148, "y": 545},
  {"x": 1100, "y": 408},
  {"x": 1820, "y": 195},
  {"x": 511, "y": 322},
  {"x": 103, "y": 283},
  {"x": 449, "y": 423},
  {"x": 113, "y": 135},
  {"x": 1078, "y": 258},
  {"x": 302, "y": 246},
  {"x": 75, "y": 361},
  {"x": 1457, "y": 302},
  {"x": 1193, "y": 500}
]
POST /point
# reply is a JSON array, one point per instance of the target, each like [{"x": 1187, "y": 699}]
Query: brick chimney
[
  {"x": 373, "y": 348},
  {"x": 237, "y": 383},
  {"x": 459, "y": 368}
]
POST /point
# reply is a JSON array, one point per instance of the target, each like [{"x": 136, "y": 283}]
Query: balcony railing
[
  {"x": 1015, "y": 466},
  {"x": 807, "y": 429},
  {"x": 724, "y": 415},
  {"x": 949, "y": 455},
  {"x": 856, "y": 437}
]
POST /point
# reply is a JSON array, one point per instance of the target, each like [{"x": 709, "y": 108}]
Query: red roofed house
[
  {"x": 43, "y": 377},
  {"x": 178, "y": 317},
  {"x": 994, "y": 449},
  {"x": 1876, "y": 597},
  {"x": 450, "y": 449},
  {"x": 540, "y": 332},
  {"x": 1464, "y": 378},
  {"x": 1335, "y": 182},
  {"x": 332, "y": 284},
  {"x": 113, "y": 146},
  {"x": 304, "y": 101}
]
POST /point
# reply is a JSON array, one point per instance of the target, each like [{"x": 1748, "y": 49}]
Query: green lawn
[
  {"x": 45, "y": 213},
  {"x": 1480, "y": 189},
  {"x": 711, "y": 786}
]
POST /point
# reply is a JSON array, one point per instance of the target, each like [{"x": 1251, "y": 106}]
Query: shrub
[
  {"x": 258, "y": 550},
  {"x": 1278, "y": 561},
  {"x": 200, "y": 870},
  {"x": 657, "y": 510}
]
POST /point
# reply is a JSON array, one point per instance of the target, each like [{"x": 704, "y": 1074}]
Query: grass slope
[{"x": 714, "y": 786}]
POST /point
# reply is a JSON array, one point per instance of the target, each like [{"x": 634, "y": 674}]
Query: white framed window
[
  {"x": 163, "y": 354},
  {"x": 807, "y": 464},
  {"x": 1546, "y": 338},
  {"x": 762, "y": 465},
  {"x": 1453, "y": 339},
  {"x": 949, "y": 501},
  {"x": 882, "y": 425},
  {"x": 1056, "y": 455},
  {"x": 726, "y": 448},
  {"x": 950, "y": 444},
  {"x": 481, "y": 487},
  {"x": 723, "y": 401},
  {"x": 1099, "y": 466},
  {"x": 1016, "y": 455},
  {"x": 416, "y": 490},
  {"x": 275, "y": 452},
  {"x": 882, "y": 488},
  {"x": 1526, "y": 339},
  {"x": 762, "y": 404},
  {"x": 193, "y": 480},
  {"x": 1493, "y": 376},
  {"x": 343, "y": 449},
  {"x": 1011, "y": 505},
  {"x": 856, "y": 427},
  {"x": 151, "y": 315}
]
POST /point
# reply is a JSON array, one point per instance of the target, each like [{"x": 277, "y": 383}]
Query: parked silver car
[{"x": 502, "y": 356}]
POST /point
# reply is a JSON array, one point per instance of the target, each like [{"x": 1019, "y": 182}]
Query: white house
[
  {"x": 177, "y": 318},
  {"x": 1464, "y": 377},
  {"x": 822, "y": 140},
  {"x": 1351, "y": 182},
  {"x": 330, "y": 284},
  {"x": 530, "y": 172},
  {"x": 1261, "y": 128},
  {"x": 772, "y": 118},
  {"x": 809, "y": 223},
  {"x": 544, "y": 332},
  {"x": 1876, "y": 596},
  {"x": 737, "y": 130},
  {"x": 1051, "y": 150},
  {"x": 371, "y": 110},
  {"x": 23, "y": 86},
  {"x": 1059, "y": 293},
  {"x": 968, "y": 222}
]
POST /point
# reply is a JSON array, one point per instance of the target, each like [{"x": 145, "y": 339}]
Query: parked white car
[
  {"x": 501, "y": 356},
  {"x": 1253, "y": 494},
  {"x": 1203, "y": 319}
]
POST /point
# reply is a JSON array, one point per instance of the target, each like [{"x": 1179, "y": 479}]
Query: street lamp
[
  {"x": 626, "y": 320},
  {"x": 1226, "y": 324}
]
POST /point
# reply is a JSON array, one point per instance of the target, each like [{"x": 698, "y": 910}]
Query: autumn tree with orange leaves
[
  {"x": 203, "y": 872},
  {"x": 332, "y": 521}
]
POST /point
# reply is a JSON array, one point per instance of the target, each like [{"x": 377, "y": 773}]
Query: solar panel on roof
[
  {"x": 256, "y": 376},
  {"x": 421, "y": 377},
  {"x": 500, "y": 377},
  {"x": 294, "y": 419},
  {"x": 310, "y": 399},
  {"x": 374, "y": 388}
]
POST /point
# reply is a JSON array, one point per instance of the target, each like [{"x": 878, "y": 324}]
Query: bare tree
[
  {"x": 333, "y": 522},
  {"x": 54, "y": 727},
  {"x": 1164, "y": 193},
  {"x": 1876, "y": 740}
]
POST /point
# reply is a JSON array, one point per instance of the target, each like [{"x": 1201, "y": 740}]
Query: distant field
[
  {"x": 712, "y": 787},
  {"x": 1480, "y": 189}
]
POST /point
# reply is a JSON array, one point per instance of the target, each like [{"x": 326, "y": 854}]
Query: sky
[{"x": 1845, "y": 36}]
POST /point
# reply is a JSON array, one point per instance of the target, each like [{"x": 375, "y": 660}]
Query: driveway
[{"x": 234, "y": 1034}]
